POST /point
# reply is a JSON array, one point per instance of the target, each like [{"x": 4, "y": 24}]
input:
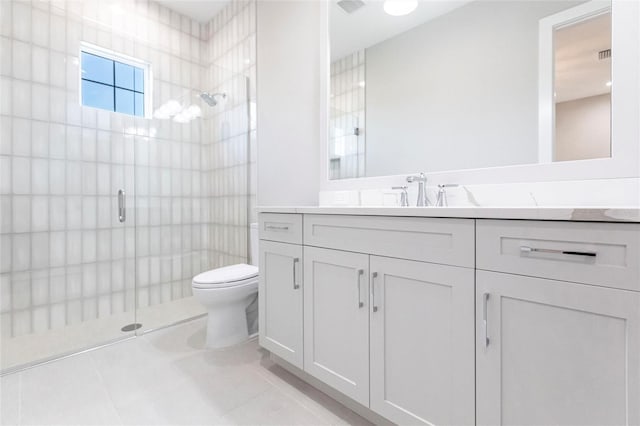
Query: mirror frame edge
[{"x": 625, "y": 132}]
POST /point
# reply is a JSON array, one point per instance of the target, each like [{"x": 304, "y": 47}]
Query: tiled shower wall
[
  {"x": 229, "y": 135},
  {"x": 65, "y": 257},
  {"x": 347, "y": 127}
]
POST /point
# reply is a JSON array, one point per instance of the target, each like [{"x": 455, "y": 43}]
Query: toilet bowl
[{"x": 226, "y": 293}]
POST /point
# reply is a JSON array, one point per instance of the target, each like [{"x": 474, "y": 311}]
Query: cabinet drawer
[
  {"x": 446, "y": 241},
  {"x": 605, "y": 254},
  {"x": 286, "y": 228}
]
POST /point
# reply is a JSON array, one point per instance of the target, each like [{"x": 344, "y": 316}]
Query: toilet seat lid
[{"x": 226, "y": 275}]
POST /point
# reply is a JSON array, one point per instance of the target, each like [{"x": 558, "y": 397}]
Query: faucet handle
[
  {"x": 441, "y": 201},
  {"x": 404, "y": 197}
]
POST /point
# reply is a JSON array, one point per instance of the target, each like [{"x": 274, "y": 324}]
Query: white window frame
[{"x": 124, "y": 59}]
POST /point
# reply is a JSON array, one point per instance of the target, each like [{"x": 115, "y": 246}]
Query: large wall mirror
[{"x": 453, "y": 85}]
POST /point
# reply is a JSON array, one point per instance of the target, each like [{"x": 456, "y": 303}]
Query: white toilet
[{"x": 226, "y": 293}]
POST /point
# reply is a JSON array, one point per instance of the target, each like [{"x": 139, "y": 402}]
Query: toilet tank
[{"x": 253, "y": 244}]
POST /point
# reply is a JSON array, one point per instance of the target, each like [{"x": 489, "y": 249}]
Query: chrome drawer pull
[
  {"x": 359, "y": 278},
  {"x": 295, "y": 281},
  {"x": 277, "y": 227},
  {"x": 374, "y": 308},
  {"x": 485, "y": 302},
  {"x": 526, "y": 249}
]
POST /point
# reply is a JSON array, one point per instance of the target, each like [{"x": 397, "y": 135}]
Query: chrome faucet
[
  {"x": 404, "y": 197},
  {"x": 441, "y": 201},
  {"x": 422, "y": 201}
]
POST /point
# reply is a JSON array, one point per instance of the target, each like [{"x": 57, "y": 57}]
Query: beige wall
[{"x": 583, "y": 128}]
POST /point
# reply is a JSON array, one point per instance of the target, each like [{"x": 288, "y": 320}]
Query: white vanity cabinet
[
  {"x": 422, "y": 342},
  {"x": 440, "y": 321},
  {"x": 336, "y": 320},
  {"x": 553, "y": 352},
  {"x": 395, "y": 335},
  {"x": 550, "y": 351},
  {"x": 281, "y": 287}
]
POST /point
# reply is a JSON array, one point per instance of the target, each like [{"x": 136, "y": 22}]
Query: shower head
[{"x": 210, "y": 98}]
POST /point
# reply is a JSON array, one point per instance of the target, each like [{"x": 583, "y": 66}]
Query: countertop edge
[{"x": 578, "y": 214}]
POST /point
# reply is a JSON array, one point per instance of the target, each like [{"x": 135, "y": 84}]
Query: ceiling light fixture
[
  {"x": 608, "y": 84},
  {"x": 400, "y": 7}
]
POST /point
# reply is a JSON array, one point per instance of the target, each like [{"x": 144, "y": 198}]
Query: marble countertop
[{"x": 583, "y": 214}]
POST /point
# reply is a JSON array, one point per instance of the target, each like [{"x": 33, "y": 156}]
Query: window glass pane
[
  {"x": 139, "y": 79},
  {"x": 96, "y": 68},
  {"x": 124, "y": 76},
  {"x": 97, "y": 95},
  {"x": 124, "y": 101},
  {"x": 139, "y": 107}
]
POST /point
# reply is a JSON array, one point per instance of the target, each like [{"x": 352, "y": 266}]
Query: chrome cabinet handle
[
  {"x": 359, "y": 279},
  {"x": 527, "y": 249},
  {"x": 485, "y": 302},
  {"x": 373, "y": 292},
  {"x": 122, "y": 206},
  {"x": 295, "y": 280},
  {"x": 277, "y": 227}
]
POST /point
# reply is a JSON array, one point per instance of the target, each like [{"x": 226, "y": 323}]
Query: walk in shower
[{"x": 105, "y": 216}]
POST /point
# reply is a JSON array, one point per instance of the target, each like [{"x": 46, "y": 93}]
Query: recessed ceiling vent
[
  {"x": 604, "y": 54},
  {"x": 350, "y": 6}
]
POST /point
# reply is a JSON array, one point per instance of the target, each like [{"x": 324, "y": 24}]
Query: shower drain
[{"x": 131, "y": 327}]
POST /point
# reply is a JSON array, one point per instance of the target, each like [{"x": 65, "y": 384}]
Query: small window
[{"x": 113, "y": 83}]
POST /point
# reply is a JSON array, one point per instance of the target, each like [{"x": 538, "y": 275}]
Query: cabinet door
[
  {"x": 422, "y": 342},
  {"x": 280, "y": 300},
  {"x": 553, "y": 352},
  {"x": 336, "y": 320}
]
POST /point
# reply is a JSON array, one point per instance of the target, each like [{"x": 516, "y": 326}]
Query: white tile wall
[
  {"x": 229, "y": 61},
  {"x": 65, "y": 257}
]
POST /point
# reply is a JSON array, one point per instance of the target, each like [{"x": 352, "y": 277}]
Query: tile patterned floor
[
  {"x": 33, "y": 347},
  {"x": 166, "y": 377}
]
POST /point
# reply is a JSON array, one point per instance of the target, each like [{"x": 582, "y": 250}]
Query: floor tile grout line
[
  {"x": 104, "y": 387},
  {"x": 283, "y": 389},
  {"x": 306, "y": 401},
  {"x": 20, "y": 398},
  {"x": 243, "y": 404},
  {"x": 287, "y": 394}
]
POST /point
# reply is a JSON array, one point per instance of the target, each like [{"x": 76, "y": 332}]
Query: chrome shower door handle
[
  {"x": 485, "y": 302},
  {"x": 295, "y": 279},
  {"x": 359, "y": 282},
  {"x": 122, "y": 206}
]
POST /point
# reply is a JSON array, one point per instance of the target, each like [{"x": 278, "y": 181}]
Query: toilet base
[
  {"x": 226, "y": 326},
  {"x": 227, "y": 312}
]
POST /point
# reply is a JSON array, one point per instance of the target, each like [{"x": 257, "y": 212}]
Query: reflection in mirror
[
  {"x": 346, "y": 130},
  {"x": 582, "y": 89},
  {"x": 455, "y": 85}
]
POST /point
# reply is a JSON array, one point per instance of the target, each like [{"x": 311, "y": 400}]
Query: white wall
[
  {"x": 288, "y": 93},
  {"x": 583, "y": 128},
  {"x": 458, "y": 92}
]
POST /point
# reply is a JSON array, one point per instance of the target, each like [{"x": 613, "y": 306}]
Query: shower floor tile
[
  {"x": 29, "y": 348},
  {"x": 167, "y": 377}
]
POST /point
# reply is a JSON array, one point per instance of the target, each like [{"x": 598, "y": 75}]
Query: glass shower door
[
  {"x": 192, "y": 195},
  {"x": 67, "y": 278}
]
